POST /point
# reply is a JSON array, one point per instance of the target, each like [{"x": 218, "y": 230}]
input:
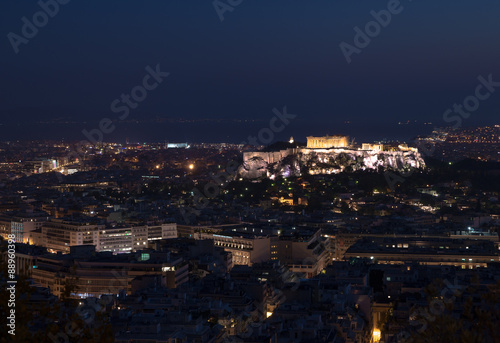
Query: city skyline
[{"x": 229, "y": 171}]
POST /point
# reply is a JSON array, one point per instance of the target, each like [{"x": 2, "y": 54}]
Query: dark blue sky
[{"x": 264, "y": 54}]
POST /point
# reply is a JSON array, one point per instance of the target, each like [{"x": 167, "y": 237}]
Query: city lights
[{"x": 265, "y": 190}]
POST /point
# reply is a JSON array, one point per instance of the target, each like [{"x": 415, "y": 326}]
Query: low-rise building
[
  {"x": 94, "y": 274},
  {"x": 245, "y": 248},
  {"x": 467, "y": 254},
  {"x": 58, "y": 235}
]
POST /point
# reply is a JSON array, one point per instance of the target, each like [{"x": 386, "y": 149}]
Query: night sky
[{"x": 264, "y": 54}]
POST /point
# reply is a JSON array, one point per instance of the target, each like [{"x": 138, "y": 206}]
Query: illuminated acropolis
[
  {"x": 329, "y": 155},
  {"x": 326, "y": 142}
]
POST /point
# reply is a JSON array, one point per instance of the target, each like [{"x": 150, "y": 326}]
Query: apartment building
[
  {"x": 21, "y": 224},
  {"x": 245, "y": 248},
  {"x": 95, "y": 274},
  {"x": 58, "y": 235}
]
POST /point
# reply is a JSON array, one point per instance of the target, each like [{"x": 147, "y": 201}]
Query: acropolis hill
[{"x": 329, "y": 155}]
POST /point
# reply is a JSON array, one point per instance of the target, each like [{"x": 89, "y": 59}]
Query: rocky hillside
[{"x": 296, "y": 162}]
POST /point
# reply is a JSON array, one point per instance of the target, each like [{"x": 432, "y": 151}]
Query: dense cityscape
[
  {"x": 232, "y": 171},
  {"x": 177, "y": 242}
]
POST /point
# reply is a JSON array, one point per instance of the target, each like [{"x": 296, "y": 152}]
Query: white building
[
  {"x": 60, "y": 235},
  {"x": 21, "y": 225},
  {"x": 127, "y": 239},
  {"x": 246, "y": 249}
]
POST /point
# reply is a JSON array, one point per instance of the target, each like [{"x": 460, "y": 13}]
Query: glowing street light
[{"x": 191, "y": 166}]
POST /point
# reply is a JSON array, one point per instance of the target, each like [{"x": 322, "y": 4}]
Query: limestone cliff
[{"x": 295, "y": 162}]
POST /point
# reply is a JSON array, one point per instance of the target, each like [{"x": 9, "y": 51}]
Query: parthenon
[{"x": 326, "y": 142}]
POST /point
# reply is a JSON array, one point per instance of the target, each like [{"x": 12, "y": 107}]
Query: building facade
[
  {"x": 21, "y": 225},
  {"x": 58, "y": 235},
  {"x": 246, "y": 249},
  {"x": 95, "y": 274}
]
